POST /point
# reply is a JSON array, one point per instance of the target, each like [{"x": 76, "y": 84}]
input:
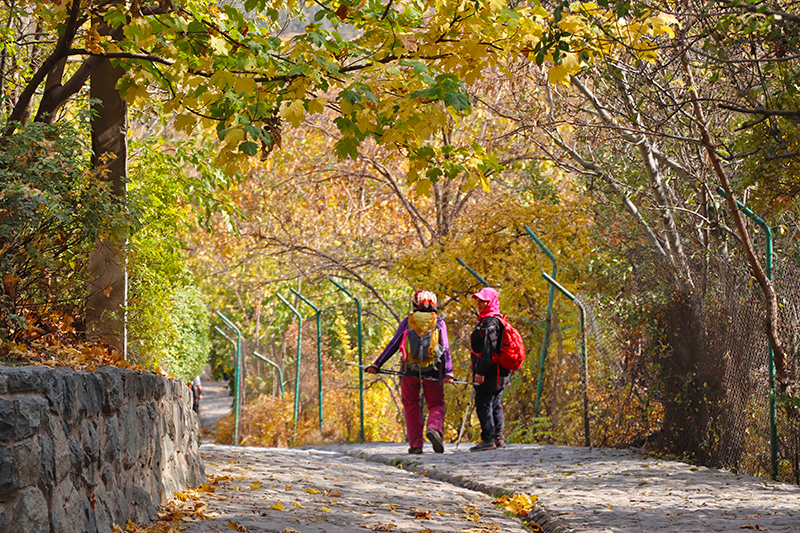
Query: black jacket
[{"x": 485, "y": 342}]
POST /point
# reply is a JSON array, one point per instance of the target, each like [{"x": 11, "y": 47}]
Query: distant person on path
[
  {"x": 422, "y": 339},
  {"x": 490, "y": 378},
  {"x": 197, "y": 393}
]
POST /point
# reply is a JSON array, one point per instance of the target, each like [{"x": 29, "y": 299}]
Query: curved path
[{"x": 380, "y": 487}]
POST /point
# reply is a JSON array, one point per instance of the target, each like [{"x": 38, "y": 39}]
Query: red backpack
[{"x": 512, "y": 349}]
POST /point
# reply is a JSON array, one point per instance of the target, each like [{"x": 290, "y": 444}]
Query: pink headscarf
[{"x": 490, "y": 296}]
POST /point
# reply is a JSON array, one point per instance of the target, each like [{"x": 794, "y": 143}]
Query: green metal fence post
[
  {"x": 319, "y": 350},
  {"x": 236, "y": 377},
  {"x": 548, "y": 323},
  {"x": 297, "y": 362},
  {"x": 275, "y": 366},
  {"x": 565, "y": 292},
  {"x": 360, "y": 356},
  {"x": 773, "y": 411},
  {"x": 477, "y": 276},
  {"x": 221, "y": 332}
]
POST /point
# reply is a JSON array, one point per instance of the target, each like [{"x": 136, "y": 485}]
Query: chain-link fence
[{"x": 699, "y": 388}]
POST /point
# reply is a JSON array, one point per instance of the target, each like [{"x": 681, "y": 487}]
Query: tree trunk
[{"x": 108, "y": 286}]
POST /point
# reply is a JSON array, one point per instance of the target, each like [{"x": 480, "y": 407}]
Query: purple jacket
[{"x": 394, "y": 346}]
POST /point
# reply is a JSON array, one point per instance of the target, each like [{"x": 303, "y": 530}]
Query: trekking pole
[
  {"x": 464, "y": 420},
  {"x": 406, "y": 375}
]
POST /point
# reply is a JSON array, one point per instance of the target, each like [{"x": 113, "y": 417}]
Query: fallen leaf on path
[
  {"x": 519, "y": 504},
  {"x": 381, "y": 527},
  {"x": 422, "y": 514},
  {"x": 237, "y": 527},
  {"x": 533, "y": 527}
]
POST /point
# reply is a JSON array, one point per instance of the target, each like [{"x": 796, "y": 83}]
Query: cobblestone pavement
[
  {"x": 215, "y": 403},
  {"x": 380, "y": 487},
  {"x": 605, "y": 490},
  {"x": 319, "y": 491}
]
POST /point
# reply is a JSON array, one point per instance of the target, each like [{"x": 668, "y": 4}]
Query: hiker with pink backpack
[
  {"x": 497, "y": 350},
  {"x": 422, "y": 339}
]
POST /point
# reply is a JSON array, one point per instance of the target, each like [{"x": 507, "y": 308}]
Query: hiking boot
[
  {"x": 436, "y": 440},
  {"x": 483, "y": 446},
  {"x": 500, "y": 442},
  {"x": 415, "y": 451}
]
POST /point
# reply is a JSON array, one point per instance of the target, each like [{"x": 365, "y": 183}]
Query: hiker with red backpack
[
  {"x": 422, "y": 339},
  {"x": 490, "y": 376}
]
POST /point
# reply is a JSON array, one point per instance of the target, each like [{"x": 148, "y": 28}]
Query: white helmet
[{"x": 425, "y": 298}]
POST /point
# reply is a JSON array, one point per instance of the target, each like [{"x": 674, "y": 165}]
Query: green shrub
[{"x": 53, "y": 207}]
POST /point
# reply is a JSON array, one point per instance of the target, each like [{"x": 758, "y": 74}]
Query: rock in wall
[{"x": 81, "y": 451}]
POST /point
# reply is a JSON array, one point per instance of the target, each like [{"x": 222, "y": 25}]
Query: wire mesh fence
[{"x": 701, "y": 391}]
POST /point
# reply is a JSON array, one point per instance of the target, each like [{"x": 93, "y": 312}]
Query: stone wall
[{"x": 81, "y": 451}]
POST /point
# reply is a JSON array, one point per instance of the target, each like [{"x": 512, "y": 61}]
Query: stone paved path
[
  {"x": 318, "y": 491},
  {"x": 605, "y": 490},
  {"x": 215, "y": 403},
  {"x": 379, "y": 487}
]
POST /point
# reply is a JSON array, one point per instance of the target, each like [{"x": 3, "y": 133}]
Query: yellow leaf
[
  {"x": 560, "y": 73},
  {"x": 571, "y": 23},
  {"x": 424, "y": 187},
  {"x": 221, "y": 79},
  {"x": 218, "y": 44},
  {"x": 294, "y": 112},
  {"x": 245, "y": 85},
  {"x": 317, "y": 105},
  {"x": 277, "y": 506},
  {"x": 364, "y": 122},
  {"x": 234, "y": 136},
  {"x": 255, "y": 485},
  {"x": 519, "y": 504},
  {"x": 326, "y": 509},
  {"x": 185, "y": 122},
  {"x": 312, "y": 491}
]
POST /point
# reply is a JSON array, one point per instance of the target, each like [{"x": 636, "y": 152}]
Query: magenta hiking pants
[{"x": 434, "y": 399}]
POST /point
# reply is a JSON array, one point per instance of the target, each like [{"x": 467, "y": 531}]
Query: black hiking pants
[{"x": 489, "y": 406}]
